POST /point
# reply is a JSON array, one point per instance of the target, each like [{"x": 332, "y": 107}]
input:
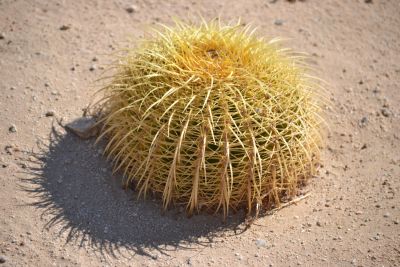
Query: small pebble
[
  {"x": 131, "y": 9},
  {"x": 94, "y": 59},
  {"x": 261, "y": 243},
  {"x": 50, "y": 113},
  {"x": 12, "y": 129},
  {"x": 2, "y": 36},
  {"x": 278, "y": 22},
  {"x": 319, "y": 224},
  {"x": 385, "y": 112},
  {"x": 359, "y": 212},
  {"x": 65, "y": 27},
  {"x": 363, "y": 121},
  {"x": 364, "y": 146},
  {"x": 386, "y": 215},
  {"x": 3, "y": 259},
  {"x": 376, "y": 90},
  {"x": 93, "y": 67},
  {"x": 240, "y": 257}
]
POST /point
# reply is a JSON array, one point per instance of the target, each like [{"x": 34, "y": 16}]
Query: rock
[
  {"x": 368, "y": 1},
  {"x": 386, "y": 215},
  {"x": 65, "y": 27},
  {"x": 94, "y": 59},
  {"x": 2, "y": 36},
  {"x": 278, "y": 22},
  {"x": 93, "y": 67},
  {"x": 9, "y": 149},
  {"x": 240, "y": 257},
  {"x": 131, "y": 9},
  {"x": 359, "y": 212},
  {"x": 50, "y": 113},
  {"x": 2, "y": 259},
  {"x": 385, "y": 112},
  {"x": 318, "y": 223},
  {"x": 364, "y": 146},
  {"x": 84, "y": 127},
  {"x": 363, "y": 122},
  {"x": 261, "y": 243},
  {"x": 12, "y": 128},
  {"x": 376, "y": 90}
]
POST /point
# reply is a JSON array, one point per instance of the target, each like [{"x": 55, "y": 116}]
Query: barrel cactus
[{"x": 212, "y": 117}]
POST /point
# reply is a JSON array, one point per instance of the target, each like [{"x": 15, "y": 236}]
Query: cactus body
[{"x": 212, "y": 117}]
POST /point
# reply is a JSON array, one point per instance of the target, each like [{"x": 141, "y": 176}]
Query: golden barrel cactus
[{"x": 212, "y": 117}]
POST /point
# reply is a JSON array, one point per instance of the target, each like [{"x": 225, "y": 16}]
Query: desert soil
[{"x": 60, "y": 204}]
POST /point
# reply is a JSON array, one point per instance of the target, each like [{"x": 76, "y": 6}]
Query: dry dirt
[{"x": 60, "y": 204}]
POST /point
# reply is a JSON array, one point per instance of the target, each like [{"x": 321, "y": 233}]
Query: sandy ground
[{"x": 60, "y": 205}]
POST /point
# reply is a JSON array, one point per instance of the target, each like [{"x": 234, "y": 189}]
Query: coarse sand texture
[{"x": 212, "y": 117}]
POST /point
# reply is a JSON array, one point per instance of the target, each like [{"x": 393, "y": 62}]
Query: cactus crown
[{"x": 213, "y": 117}]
